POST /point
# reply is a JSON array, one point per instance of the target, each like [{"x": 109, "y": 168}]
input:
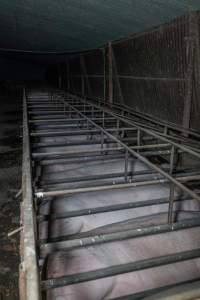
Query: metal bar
[
  {"x": 190, "y": 172},
  {"x": 107, "y": 208},
  {"x": 89, "y": 151},
  {"x": 49, "y": 112},
  {"x": 29, "y": 265},
  {"x": 172, "y": 187},
  {"x": 151, "y": 292},
  {"x": 87, "y": 142},
  {"x": 126, "y": 173},
  {"x": 110, "y": 73},
  {"x": 125, "y": 109},
  {"x": 65, "y": 120},
  {"x": 85, "y": 159},
  {"x": 120, "y": 269},
  {"x": 146, "y": 161},
  {"x": 93, "y": 240},
  {"x": 74, "y": 132},
  {"x": 150, "y": 132},
  {"x": 86, "y": 178},
  {"x": 42, "y": 194}
]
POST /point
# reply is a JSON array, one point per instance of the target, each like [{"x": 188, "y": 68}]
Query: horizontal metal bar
[
  {"x": 151, "y": 292},
  {"x": 96, "y": 177},
  {"x": 48, "y": 105},
  {"x": 77, "y": 160},
  {"x": 134, "y": 77},
  {"x": 119, "y": 269},
  {"x": 91, "y": 158},
  {"x": 77, "y": 132},
  {"x": 43, "y": 155},
  {"x": 87, "y": 142},
  {"x": 97, "y": 239},
  {"x": 94, "y": 151},
  {"x": 107, "y": 208},
  {"x": 52, "y": 193},
  {"x": 64, "y": 120},
  {"x": 62, "y": 112},
  {"x": 86, "y": 178}
]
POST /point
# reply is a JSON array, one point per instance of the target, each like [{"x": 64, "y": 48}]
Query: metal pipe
[
  {"x": 119, "y": 269},
  {"x": 87, "y": 142},
  {"x": 152, "y": 292},
  {"x": 42, "y": 194},
  {"x": 107, "y": 208},
  {"x": 159, "y": 137},
  {"x": 146, "y": 161},
  {"x": 93, "y": 240},
  {"x": 96, "y": 151},
  {"x": 65, "y": 120},
  {"x": 75, "y": 132}
]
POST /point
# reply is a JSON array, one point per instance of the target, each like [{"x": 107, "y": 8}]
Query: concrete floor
[{"x": 10, "y": 181}]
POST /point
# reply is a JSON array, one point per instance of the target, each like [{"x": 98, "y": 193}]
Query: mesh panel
[{"x": 150, "y": 71}]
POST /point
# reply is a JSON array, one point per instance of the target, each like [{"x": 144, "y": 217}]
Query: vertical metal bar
[
  {"x": 171, "y": 203},
  {"x": 104, "y": 74},
  {"x": 102, "y": 139},
  {"x": 103, "y": 121},
  {"x": 126, "y": 166},
  {"x": 87, "y": 125},
  {"x": 171, "y": 193},
  {"x": 82, "y": 85},
  {"x": 117, "y": 127},
  {"x": 110, "y": 74},
  {"x": 92, "y": 111},
  {"x": 165, "y": 131},
  {"x": 138, "y": 138}
]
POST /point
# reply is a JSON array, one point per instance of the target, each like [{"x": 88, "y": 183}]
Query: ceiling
[{"x": 77, "y": 25}]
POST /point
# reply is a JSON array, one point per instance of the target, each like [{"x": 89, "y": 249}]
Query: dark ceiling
[{"x": 76, "y": 25}]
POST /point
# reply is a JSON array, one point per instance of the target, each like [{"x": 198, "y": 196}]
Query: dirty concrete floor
[{"x": 10, "y": 182}]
